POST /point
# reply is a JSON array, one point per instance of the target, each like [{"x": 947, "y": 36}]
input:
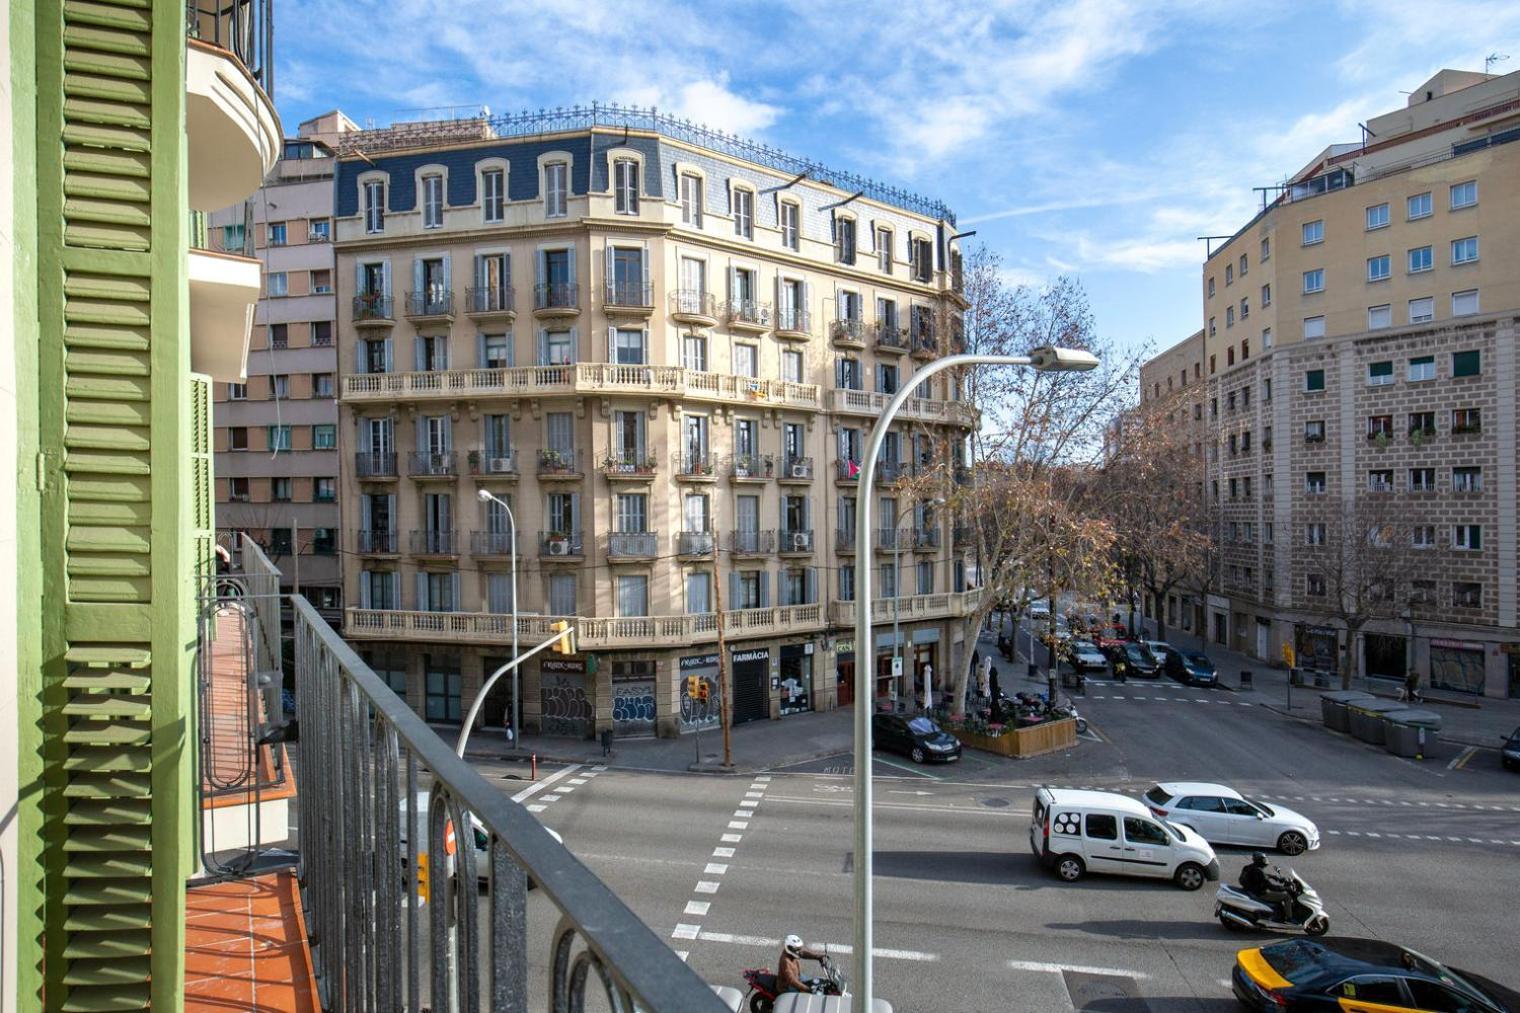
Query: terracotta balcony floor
[{"x": 246, "y": 947}]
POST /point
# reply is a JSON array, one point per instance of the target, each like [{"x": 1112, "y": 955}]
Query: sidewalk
[
  {"x": 1465, "y": 720},
  {"x": 756, "y": 745}
]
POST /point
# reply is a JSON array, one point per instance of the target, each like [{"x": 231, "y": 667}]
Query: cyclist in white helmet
[{"x": 789, "y": 967}]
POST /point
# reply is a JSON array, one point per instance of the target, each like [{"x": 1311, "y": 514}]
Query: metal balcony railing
[
  {"x": 694, "y": 303},
  {"x": 492, "y": 461},
  {"x": 435, "y": 302},
  {"x": 435, "y": 543},
  {"x": 629, "y": 294},
  {"x": 366, "y": 755},
  {"x": 635, "y": 544},
  {"x": 752, "y": 543},
  {"x": 556, "y": 295},
  {"x": 427, "y": 463},
  {"x": 245, "y": 28},
  {"x": 694, "y": 464},
  {"x": 844, "y": 539},
  {"x": 890, "y": 539},
  {"x": 694, "y": 543},
  {"x": 630, "y": 462},
  {"x": 556, "y": 462},
  {"x": 797, "y": 540},
  {"x": 371, "y": 464},
  {"x": 797, "y": 467},
  {"x": 489, "y": 299},
  {"x": 926, "y": 538},
  {"x": 798, "y": 319},
  {"x": 492, "y": 543},
  {"x": 891, "y": 336},
  {"x": 380, "y": 541},
  {"x": 559, "y": 543},
  {"x": 752, "y": 465},
  {"x": 749, "y": 311},
  {"x": 368, "y": 306},
  {"x": 849, "y": 469},
  {"x": 848, "y": 330},
  {"x": 891, "y": 471}
]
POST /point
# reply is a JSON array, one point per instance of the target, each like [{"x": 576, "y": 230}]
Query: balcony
[
  {"x": 490, "y": 302},
  {"x": 694, "y": 307},
  {"x": 560, "y": 545},
  {"x": 231, "y": 126},
  {"x": 794, "y": 323},
  {"x": 892, "y": 472},
  {"x": 628, "y": 298},
  {"x": 493, "y": 543},
  {"x": 426, "y": 464},
  {"x": 752, "y": 543},
  {"x": 922, "y": 343},
  {"x": 379, "y": 543},
  {"x": 947, "y": 605},
  {"x": 633, "y": 544},
  {"x": 962, "y": 536},
  {"x": 435, "y": 543},
  {"x": 695, "y": 543},
  {"x": 435, "y": 305},
  {"x": 368, "y": 464},
  {"x": 372, "y": 310},
  {"x": 558, "y": 299},
  {"x": 926, "y": 539},
  {"x": 695, "y": 467},
  {"x": 890, "y": 339},
  {"x": 848, "y": 333},
  {"x": 847, "y": 470},
  {"x": 223, "y": 291},
  {"x": 629, "y": 466},
  {"x": 893, "y": 539},
  {"x": 919, "y": 409},
  {"x": 558, "y": 465},
  {"x": 751, "y": 467},
  {"x": 844, "y": 541},
  {"x": 796, "y": 469},
  {"x": 748, "y": 315},
  {"x": 582, "y": 378},
  {"x": 797, "y": 542},
  {"x": 493, "y": 462}
]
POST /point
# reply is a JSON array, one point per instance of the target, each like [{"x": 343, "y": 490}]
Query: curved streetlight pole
[
  {"x": 1043, "y": 359},
  {"x": 486, "y": 496}
]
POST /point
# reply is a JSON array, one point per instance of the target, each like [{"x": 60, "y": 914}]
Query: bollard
[{"x": 535, "y": 766}]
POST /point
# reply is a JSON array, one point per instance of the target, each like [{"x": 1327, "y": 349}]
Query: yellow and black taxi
[{"x": 1359, "y": 976}]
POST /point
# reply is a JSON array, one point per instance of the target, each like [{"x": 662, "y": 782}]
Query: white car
[
  {"x": 1078, "y": 832},
  {"x": 1223, "y": 815},
  {"x": 1085, "y": 656}
]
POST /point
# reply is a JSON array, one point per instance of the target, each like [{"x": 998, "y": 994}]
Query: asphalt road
[{"x": 1425, "y": 854}]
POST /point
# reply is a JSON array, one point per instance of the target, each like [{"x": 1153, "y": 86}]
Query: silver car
[{"x": 1223, "y": 815}]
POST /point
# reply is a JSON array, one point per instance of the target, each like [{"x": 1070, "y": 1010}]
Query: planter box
[{"x": 1042, "y": 738}]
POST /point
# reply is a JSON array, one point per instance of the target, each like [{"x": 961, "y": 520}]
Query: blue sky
[{"x": 1095, "y": 138}]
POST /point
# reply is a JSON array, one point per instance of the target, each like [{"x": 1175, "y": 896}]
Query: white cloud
[{"x": 711, "y": 101}]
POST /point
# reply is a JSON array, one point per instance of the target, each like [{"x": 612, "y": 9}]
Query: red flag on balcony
[{"x": 853, "y": 469}]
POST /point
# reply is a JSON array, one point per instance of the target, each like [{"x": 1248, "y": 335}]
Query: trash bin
[
  {"x": 1245, "y": 678},
  {"x": 1333, "y": 708},
  {"x": 1367, "y": 718},
  {"x": 1410, "y": 732}
]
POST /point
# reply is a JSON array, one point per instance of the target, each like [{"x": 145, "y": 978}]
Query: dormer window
[
  {"x": 556, "y": 189},
  {"x": 844, "y": 240},
  {"x": 374, "y": 206},
  {"x": 625, "y": 176},
  {"x": 493, "y": 198},
  {"x": 432, "y": 201}
]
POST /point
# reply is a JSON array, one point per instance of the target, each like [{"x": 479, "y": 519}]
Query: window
[
  {"x": 1229, "y": 321},
  {"x": 1314, "y": 533},
  {"x": 237, "y": 391},
  {"x": 556, "y": 189},
  {"x": 321, "y": 282},
  {"x": 1245, "y": 353},
  {"x": 237, "y": 438},
  {"x": 1418, "y": 206},
  {"x": 1468, "y": 537},
  {"x": 279, "y": 283},
  {"x": 625, "y": 186},
  {"x": 1266, "y": 341},
  {"x": 1266, "y": 296},
  {"x": 279, "y": 489},
  {"x": 1379, "y": 317},
  {"x": 432, "y": 201},
  {"x": 279, "y": 386},
  {"x": 1314, "y": 327},
  {"x": 1422, "y": 592},
  {"x": 1379, "y": 425},
  {"x": 1422, "y": 368},
  {"x": 1379, "y": 374},
  {"x": 1212, "y": 330},
  {"x": 1314, "y": 585},
  {"x": 321, "y": 385},
  {"x": 1102, "y": 828},
  {"x": 1422, "y": 310},
  {"x": 691, "y": 199},
  {"x": 1467, "y": 479},
  {"x": 1211, "y": 286},
  {"x": 1379, "y": 268},
  {"x": 1245, "y": 308},
  {"x": 921, "y": 260},
  {"x": 234, "y": 238},
  {"x": 1464, "y": 195},
  {"x": 1466, "y": 420},
  {"x": 279, "y": 541},
  {"x": 1423, "y": 423},
  {"x": 237, "y": 490},
  {"x": 1377, "y": 216},
  {"x": 628, "y": 346},
  {"x": 744, "y": 213},
  {"x": 1314, "y": 431},
  {"x": 276, "y": 233},
  {"x": 698, "y": 593},
  {"x": 1229, "y": 274},
  {"x": 1314, "y": 232},
  {"x": 1314, "y": 379},
  {"x": 324, "y": 490},
  {"x": 324, "y": 437},
  {"x": 1242, "y": 265},
  {"x": 445, "y": 689},
  {"x": 374, "y": 206},
  {"x": 1314, "y": 482},
  {"x": 562, "y": 594},
  {"x": 1422, "y": 536},
  {"x": 494, "y": 194},
  {"x": 1380, "y": 480},
  {"x": 1464, "y": 251},
  {"x": 318, "y": 230},
  {"x": 1464, "y": 304},
  {"x": 844, "y": 240},
  {"x": 1314, "y": 281},
  {"x": 1266, "y": 249},
  {"x": 884, "y": 250},
  {"x": 746, "y": 360},
  {"x": 1465, "y": 594},
  {"x": 1421, "y": 259},
  {"x": 1468, "y": 363},
  {"x": 279, "y": 335},
  {"x": 791, "y": 366},
  {"x": 790, "y": 233}
]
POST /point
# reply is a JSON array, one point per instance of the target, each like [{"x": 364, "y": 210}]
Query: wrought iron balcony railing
[
  {"x": 369, "y": 306},
  {"x": 492, "y": 543},
  {"x": 425, "y": 463},
  {"x": 749, "y": 312},
  {"x": 797, "y": 319},
  {"x": 694, "y": 464},
  {"x": 797, "y": 468},
  {"x": 559, "y": 543},
  {"x": 633, "y": 544},
  {"x": 629, "y": 294},
  {"x": 751, "y": 466},
  {"x": 380, "y": 541},
  {"x": 689, "y": 302},
  {"x": 891, "y": 337},
  {"x": 556, "y": 462},
  {"x": 489, "y": 299},
  {"x": 752, "y": 543},
  {"x": 797, "y": 540},
  {"x": 245, "y": 28},
  {"x": 435, "y": 302},
  {"x": 694, "y": 543},
  {"x": 373, "y": 464},
  {"x": 556, "y": 295},
  {"x": 435, "y": 543}
]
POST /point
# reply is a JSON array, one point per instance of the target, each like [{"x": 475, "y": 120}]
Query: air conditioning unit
[
  {"x": 799, "y": 471},
  {"x": 561, "y": 548},
  {"x": 499, "y": 465},
  {"x": 801, "y": 541}
]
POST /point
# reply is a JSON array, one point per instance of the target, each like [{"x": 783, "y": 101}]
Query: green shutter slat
[
  {"x": 107, "y": 735},
  {"x": 89, "y": 892},
  {"x": 130, "y": 16},
  {"x": 104, "y": 187},
  {"x": 91, "y": 512},
  {"x": 90, "y": 437},
  {"x": 109, "y": 705},
  {"x": 87, "y": 108},
  {"x": 95, "y": 63},
  {"x": 116, "y": 163},
  {"x": 109, "y": 488},
  {"x": 131, "y": 682},
  {"x": 107, "y": 945},
  {"x": 95, "y": 758},
  {"x": 110, "y": 87},
  {"x": 107, "y": 812},
  {"x": 111, "y": 464},
  {"x": 107, "y": 998},
  {"x": 109, "y": 539},
  {"x": 107, "y": 40},
  {"x": 111, "y": 784},
  {"x": 109, "y": 413},
  {"x": 106, "y": 311},
  {"x": 101, "y": 918},
  {"x": 109, "y": 840},
  {"x": 106, "y": 972},
  {"x": 111, "y": 865},
  {"x": 109, "y": 657},
  {"x": 111, "y": 362},
  {"x": 107, "y": 212}
]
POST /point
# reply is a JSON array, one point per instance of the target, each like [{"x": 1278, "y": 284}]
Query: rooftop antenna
[{"x": 1491, "y": 59}]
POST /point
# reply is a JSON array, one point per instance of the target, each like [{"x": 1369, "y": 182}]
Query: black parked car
[
  {"x": 1510, "y": 752},
  {"x": 1191, "y": 669},
  {"x": 919, "y": 738},
  {"x": 1140, "y": 661}
]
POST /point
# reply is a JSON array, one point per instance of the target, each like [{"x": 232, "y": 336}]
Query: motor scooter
[
  {"x": 1236, "y": 909},
  {"x": 762, "y": 985}
]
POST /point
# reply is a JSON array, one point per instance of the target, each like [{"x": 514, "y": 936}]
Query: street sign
[{"x": 897, "y": 665}]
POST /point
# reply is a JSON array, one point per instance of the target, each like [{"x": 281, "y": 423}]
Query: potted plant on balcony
[
  {"x": 770, "y": 464},
  {"x": 474, "y": 459},
  {"x": 551, "y": 460}
]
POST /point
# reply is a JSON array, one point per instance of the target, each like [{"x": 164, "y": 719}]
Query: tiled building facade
[
  {"x": 663, "y": 353},
  {"x": 1358, "y": 357}
]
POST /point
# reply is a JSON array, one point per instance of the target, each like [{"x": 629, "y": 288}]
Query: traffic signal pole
[
  {"x": 564, "y": 634},
  {"x": 724, "y": 717}
]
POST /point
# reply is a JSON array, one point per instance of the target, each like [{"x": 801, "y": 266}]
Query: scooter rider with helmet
[
  {"x": 789, "y": 966},
  {"x": 1265, "y": 883}
]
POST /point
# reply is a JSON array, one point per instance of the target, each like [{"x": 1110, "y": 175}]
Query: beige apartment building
[
  {"x": 1359, "y": 347},
  {"x": 276, "y": 434},
  {"x": 662, "y": 349}
]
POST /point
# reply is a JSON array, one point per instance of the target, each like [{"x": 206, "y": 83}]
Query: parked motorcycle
[
  {"x": 762, "y": 985},
  {"x": 1069, "y": 710},
  {"x": 1236, "y": 909}
]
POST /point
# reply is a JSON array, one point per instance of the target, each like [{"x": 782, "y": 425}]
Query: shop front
[
  {"x": 633, "y": 708},
  {"x": 751, "y": 670},
  {"x": 704, "y": 710},
  {"x": 796, "y": 679},
  {"x": 1512, "y": 668},
  {"x": 1316, "y": 647},
  {"x": 926, "y": 664},
  {"x": 844, "y": 672},
  {"x": 565, "y": 706},
  {"x": 1385, "y": 656},
  {"x": 1457, "y": 665}
]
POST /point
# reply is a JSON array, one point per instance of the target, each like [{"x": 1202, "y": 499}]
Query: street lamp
[
  {"x": 897, "y": 658},
  {"x": 1045, "y": 359},
  {"x": 486, "y": 496}
]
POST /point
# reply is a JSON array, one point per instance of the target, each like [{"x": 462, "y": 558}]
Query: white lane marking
[
  {"x": 707, "y": 886},
  {"x": 726, "y": 937},
  {"x": 840, "y": 948},
  {"x": 550, "y": 798},
  {"x": 683, "y": 954},
  {"x": 538, "y": 786},
  {"x": 535, "y": 808},
  {"x": 763, "y": 778},
  {"x": 577, "y": 780},
  {"x": 565, "y": 789},
  {"x": 685, "y": 931},
  {"x": 732, "y": 839},
  {"x": 599, "y": 767},
  {"x": 723, "y": 852},
  {"x": 1462, "y": 757},
  {"x": 748, "y": 803},
  {"x": 697, "y": 907},
  {"x": 1036, "y": 965},
  {"x": 714, "y": 869},
  {"x": 754, "y": 794},
  {"x": 910, "y": 770},
  {"x": 1005, "y": 813},
  {"x": 738, "y": 824}
]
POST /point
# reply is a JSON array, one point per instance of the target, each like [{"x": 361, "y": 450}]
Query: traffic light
[
  {"x": 702, "y": 690},
  {"x": 693, "y": 690},
  {"x": 424, "y": 889},
  {"x": 565, "y": 643}
]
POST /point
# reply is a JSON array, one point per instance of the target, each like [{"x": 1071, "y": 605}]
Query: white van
[{"x": 1076, "y": 832}]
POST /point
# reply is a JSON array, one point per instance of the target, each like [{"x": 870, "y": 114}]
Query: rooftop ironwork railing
[
  {"x": 244, "y": 28},
  {"x": 368, "y": 762}
]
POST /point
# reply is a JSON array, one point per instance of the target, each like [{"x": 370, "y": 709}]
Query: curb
[
  {"x": 1311, "y": 721},
  {"x": 613, "y": 763}
]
